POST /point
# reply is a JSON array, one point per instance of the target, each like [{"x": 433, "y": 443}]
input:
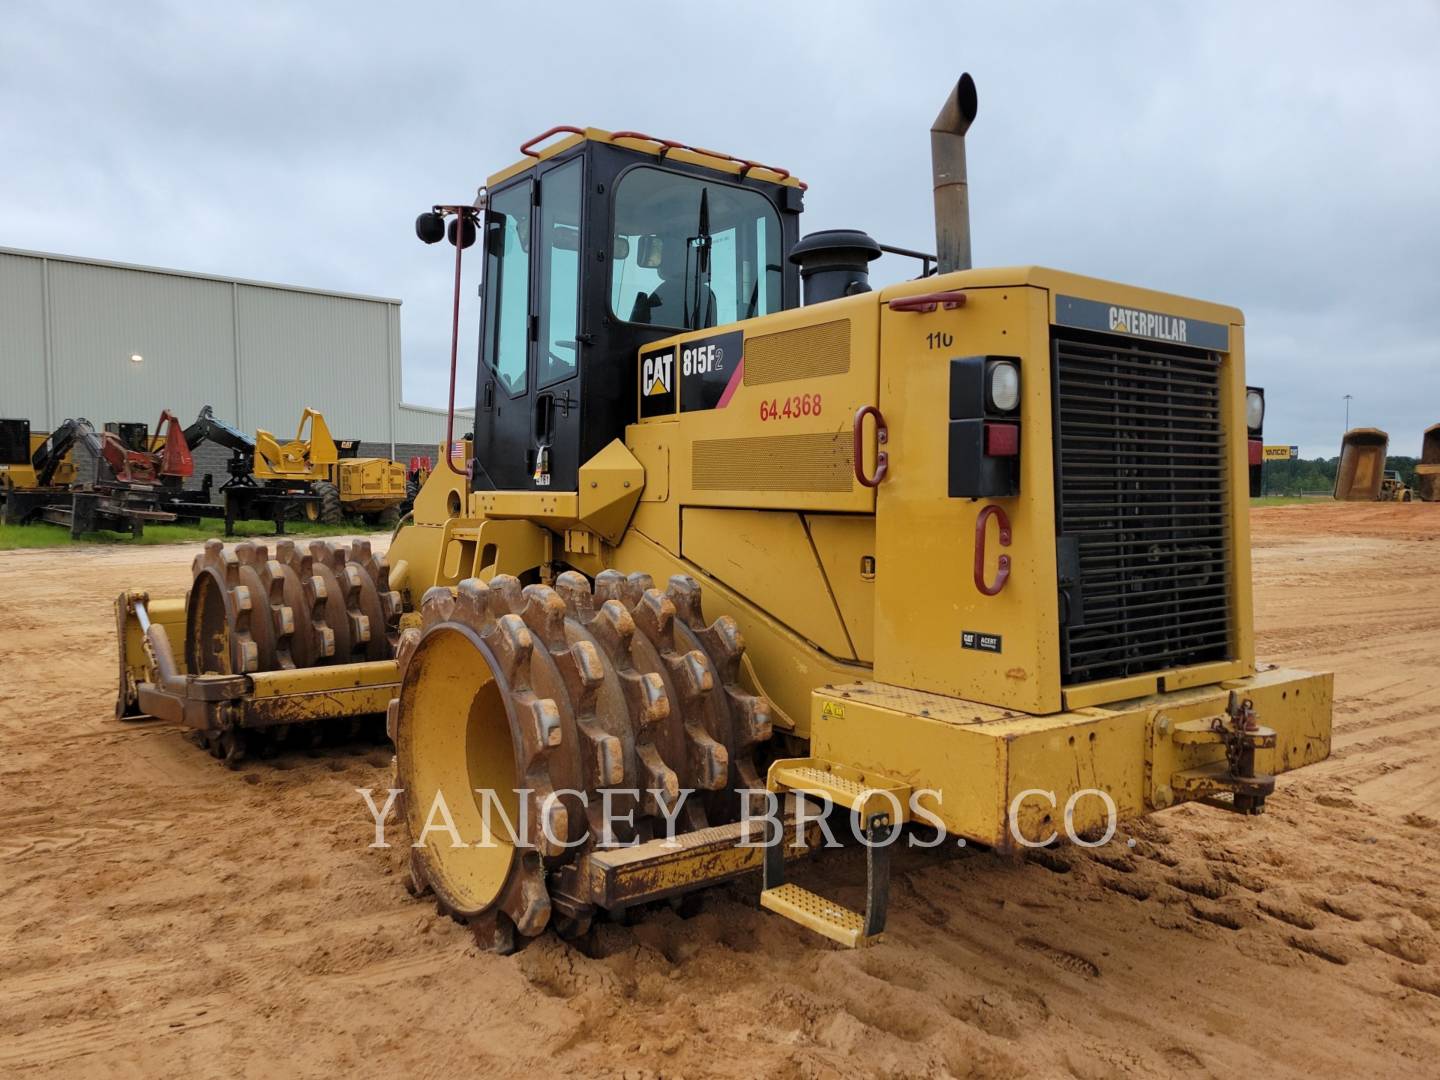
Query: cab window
[
  {"x": 689, "y": 253},
  {"x": 559, "y": 273},
  {"x": 507, "y": 286}
]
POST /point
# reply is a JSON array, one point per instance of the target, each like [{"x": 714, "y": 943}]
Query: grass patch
[
  {"x": 52, "y": 536},
  {"x": 1290, "y": 500}
]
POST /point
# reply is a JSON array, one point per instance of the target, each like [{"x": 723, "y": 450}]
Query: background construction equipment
[
  {"x": 310, "y": 473},
  {"x": 1427, "y": 472},
  {"x": 1393, "y": 488},
  {"x": 18, "y": 446},
  {"x": 1361, "y": 473},
  {"x": 134, "y": 476}
]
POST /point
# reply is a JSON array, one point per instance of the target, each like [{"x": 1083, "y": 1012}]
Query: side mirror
[
  {"x": 650, "y": 247},
  {"x": 621, "y": 250},
  {"x": 430, "y": 227},
  {"x": 464, "y": 228}
]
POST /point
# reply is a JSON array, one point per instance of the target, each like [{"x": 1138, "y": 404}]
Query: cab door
[{"x": 528, "y": 406}]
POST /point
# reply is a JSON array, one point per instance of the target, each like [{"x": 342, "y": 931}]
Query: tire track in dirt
[{"x": 51, "y": 1046}]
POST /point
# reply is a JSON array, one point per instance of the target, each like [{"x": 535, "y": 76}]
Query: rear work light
[
  {"x": 984, "y": 450},
  {"x": 1254, "y": 424}
]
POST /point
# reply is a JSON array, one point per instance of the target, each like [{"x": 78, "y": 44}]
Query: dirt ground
[{"x": 161, "y": 916}]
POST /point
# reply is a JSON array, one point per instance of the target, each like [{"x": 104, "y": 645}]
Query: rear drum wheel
[{"x": 305, "y": 607}]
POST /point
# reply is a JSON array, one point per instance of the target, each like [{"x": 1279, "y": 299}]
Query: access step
[
  {"x": 882, "y": 805},
  {"x": 814, "y": 912},
  {"x": 860, "y": 792}
]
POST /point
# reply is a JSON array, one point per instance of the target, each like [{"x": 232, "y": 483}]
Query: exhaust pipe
[{"x": 947, "y": 168}]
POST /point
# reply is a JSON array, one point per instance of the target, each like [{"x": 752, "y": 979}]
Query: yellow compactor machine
[
  {"x": 970, "y": 551},
  {"x": 342, "y": 483}
]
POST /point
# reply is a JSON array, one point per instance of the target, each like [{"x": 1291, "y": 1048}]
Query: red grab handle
[
  {"x": 950, "y": 300},
  {"x": 882, "y": 436},
  {"x": 1003, "y": 574}
]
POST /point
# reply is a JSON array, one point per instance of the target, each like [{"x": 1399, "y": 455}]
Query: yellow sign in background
[{"x": 1278, "y": 453}]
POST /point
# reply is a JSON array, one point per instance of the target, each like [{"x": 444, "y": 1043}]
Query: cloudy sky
[{"x": 1281, "y": 158}]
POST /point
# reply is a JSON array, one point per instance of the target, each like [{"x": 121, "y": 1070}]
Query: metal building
[{"x": 112, "y": 341}]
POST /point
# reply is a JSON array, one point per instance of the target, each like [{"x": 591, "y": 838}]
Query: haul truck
[
  {"x": 1360, "y": 475},
  {"x": 1427, "y": 471},
  {"x": 970, "y": 550}
]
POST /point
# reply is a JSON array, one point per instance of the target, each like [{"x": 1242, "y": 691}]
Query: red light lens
[
  {"x": 1257, "y": 452},
  {"x": 1002, "y": 440}
]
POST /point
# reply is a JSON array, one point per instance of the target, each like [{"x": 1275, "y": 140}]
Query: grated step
[
  {"x": 863, "y": 793},
  {"x": 814, "y": 912}
]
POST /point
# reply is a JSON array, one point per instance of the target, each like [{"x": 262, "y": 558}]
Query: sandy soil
[{"x": 161, "y": 916}]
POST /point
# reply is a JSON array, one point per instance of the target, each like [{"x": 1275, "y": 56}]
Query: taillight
[
  {"x": 1254, "y": 424},
  {"x": 1001, "y": 440},
  {"x": 985, "y": 399}
]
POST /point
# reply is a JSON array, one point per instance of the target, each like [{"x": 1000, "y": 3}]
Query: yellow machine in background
[
  {"x": 18, "y": 445},
  {"x": 372, "y": 488},
  {"x": 1393, "y": 488},
  {"x": 971, "y": 552}
]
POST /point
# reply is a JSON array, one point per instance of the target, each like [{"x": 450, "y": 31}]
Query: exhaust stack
[{"x": 947, "y": 167}]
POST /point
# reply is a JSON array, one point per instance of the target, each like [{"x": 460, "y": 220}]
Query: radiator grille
[
  {"x": 815, "y": 462},
  {"x": 806, "y": 352},
  {"x": 1141, "y": 507}
]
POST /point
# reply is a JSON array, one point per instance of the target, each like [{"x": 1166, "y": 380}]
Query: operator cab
[{"x": 595, "y": 246}]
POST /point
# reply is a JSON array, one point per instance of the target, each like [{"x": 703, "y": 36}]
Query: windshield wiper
[{"x": 701, "y": 243}]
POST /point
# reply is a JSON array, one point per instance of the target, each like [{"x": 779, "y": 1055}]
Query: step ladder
[{"x": 882, "y": 805}]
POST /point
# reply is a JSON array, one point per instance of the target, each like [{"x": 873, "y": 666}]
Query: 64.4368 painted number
[{"x": 790, "y": 408}]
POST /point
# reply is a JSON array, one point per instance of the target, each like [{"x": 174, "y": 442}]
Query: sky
[{"x": 1282, "y": 158}]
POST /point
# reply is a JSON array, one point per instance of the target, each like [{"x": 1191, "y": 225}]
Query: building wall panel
[
  {"x": 258, "y": 353},
  {"x": 326, "y": 352},
  {"x": 182, "y": 327},
  {"x": 22, "y": 340},
  {"x": 422, "y": 424}
]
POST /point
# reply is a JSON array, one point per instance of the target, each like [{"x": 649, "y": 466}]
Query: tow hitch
[{"x": 1238, "y": 731}]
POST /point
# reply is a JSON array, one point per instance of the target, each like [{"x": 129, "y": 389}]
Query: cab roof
[{"x": 646, "y": 144}]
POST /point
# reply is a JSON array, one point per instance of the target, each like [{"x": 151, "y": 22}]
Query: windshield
[{"x": 689, "y": 254}]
